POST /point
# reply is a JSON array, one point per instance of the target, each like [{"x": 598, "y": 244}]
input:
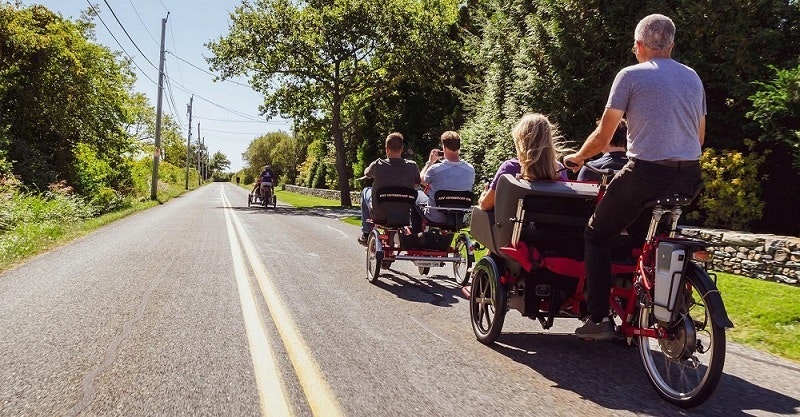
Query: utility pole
[
  {"x": 205, "y": 155},
  {"x": 157, "y": 150},
  {"x": 189, "y": 140},
  {"x": 199, "y": 157}
]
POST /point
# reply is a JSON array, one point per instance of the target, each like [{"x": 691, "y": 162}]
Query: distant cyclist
[{"x": 265, "y": 182}]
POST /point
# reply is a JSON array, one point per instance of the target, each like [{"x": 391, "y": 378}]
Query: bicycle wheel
[
  {"x": 461, "y": 268},
  {"x": 488, "y": 302},
  {"x": 686, "y": 366},
  {"x": 374, "y": 259}
]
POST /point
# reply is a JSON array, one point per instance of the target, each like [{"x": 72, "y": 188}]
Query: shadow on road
[
  {"x": 317, "y": 211},
  {"x": 433, "y": 289},
  {"x": 611, "y": 375}
]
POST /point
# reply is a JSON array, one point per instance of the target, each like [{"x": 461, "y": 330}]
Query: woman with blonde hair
[{"x": 538, "y": 147}]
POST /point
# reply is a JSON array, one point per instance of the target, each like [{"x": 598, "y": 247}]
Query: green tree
[
  {"x": 218, "y": 164},
  {"x": 327, "y": 60},
  {"x": 776, "y": 109},
  {"x": 57, "y": 90}
]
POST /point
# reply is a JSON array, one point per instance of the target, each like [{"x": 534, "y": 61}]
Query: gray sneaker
[{"x": 596, "y": 331}]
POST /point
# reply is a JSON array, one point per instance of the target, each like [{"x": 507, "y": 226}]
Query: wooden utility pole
[
  {"x": 199, "y": 157},
  {"x": 189, "y": 140},
  {"x": 157, "y": 150}
]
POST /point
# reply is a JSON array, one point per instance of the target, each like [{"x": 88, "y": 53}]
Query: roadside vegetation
[{"x": 31, "y": 223}]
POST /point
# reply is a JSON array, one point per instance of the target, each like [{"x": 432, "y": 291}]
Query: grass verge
[
  {"x": 766, "y": 314},
  {"x": 29, "y": 239}
]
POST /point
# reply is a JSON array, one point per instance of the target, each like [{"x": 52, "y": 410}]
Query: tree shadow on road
[
  {"x": 611, "y": 375},
  {"x": 433, "y": 289},
  {"x": 316, "y": 211}
]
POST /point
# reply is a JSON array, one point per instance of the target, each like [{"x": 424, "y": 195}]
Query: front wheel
[
  {"x": 461, "y": 268},
  {"x": 686, "y": 366},
  {"x": 488, "y": 302}
]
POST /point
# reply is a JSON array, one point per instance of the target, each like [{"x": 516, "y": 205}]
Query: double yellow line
[{"x": 272, "y": 391}]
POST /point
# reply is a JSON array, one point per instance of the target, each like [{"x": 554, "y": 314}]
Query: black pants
[{"x": 621, "y": 206}]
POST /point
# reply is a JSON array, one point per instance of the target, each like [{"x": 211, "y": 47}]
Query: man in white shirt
[{"x": 444, "y": 171}]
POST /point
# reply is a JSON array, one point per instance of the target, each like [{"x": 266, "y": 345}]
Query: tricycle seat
[
  {"x": 392, "y": 206},
  {"x": 543, "y": 213}
]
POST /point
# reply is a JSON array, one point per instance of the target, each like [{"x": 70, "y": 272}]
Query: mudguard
[{"x": 711, "y": 295}]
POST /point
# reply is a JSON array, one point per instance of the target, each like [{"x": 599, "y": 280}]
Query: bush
[{"x": 731, "y": 198}]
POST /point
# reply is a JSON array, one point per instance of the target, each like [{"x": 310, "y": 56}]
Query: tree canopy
[{"x": 326, "y": 61}]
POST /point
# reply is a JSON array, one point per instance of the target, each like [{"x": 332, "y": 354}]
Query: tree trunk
[{"x": 341, "y": 154}]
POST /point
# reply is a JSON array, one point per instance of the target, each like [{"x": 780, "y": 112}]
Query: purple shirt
[{"x": 513, "y": 167}]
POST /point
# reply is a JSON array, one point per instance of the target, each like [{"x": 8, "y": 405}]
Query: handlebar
[{"x": 608, "y": 172}]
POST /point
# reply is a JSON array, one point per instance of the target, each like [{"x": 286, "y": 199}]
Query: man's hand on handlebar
[{"x": 573, "y": 162}]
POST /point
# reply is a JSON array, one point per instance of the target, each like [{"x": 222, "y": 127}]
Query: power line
[
  {"x": 97, "y": 13},
  {"x": 236, "y": 120},
  {"x": 142, "y": 22},
  {"x": 206, "y": 71},
  {"x": 174, "y": 44},
  {"x": 128, "y": 35}
]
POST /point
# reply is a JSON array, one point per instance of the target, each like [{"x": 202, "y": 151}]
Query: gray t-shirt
[
  {"x": 393, "y": 172},
  {"x": 664, "y": 102},
  {"x": 447, "y": 175}
]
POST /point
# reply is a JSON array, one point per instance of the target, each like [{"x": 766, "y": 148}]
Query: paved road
[{"x": 203, "y": 306}]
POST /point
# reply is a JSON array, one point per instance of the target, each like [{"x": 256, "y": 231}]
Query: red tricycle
[
  {"x": 663, "y": 298},
  {"x": 391, "y": 238}
]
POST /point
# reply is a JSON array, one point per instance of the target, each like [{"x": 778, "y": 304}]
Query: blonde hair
[{"x": 538, "y": 147}]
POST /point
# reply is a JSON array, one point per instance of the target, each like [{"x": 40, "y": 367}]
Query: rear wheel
[
  {"x": 461, "y": 268},
  {"x": 424, "y": 270},
  {"x": 686, "y": 366},
  {"x": 374, "y": 259},
  {"x": 249, "y": 200},
  {"x": 488, "y": 303}
]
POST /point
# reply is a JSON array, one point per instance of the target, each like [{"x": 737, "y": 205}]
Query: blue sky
[{"x": 227, "y": 111}]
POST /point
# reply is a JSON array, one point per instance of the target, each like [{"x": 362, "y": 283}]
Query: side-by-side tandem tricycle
[{"x": 664, "y": 300}]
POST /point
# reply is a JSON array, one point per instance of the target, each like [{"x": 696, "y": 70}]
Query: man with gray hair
[{"x": 665, "y": 105}]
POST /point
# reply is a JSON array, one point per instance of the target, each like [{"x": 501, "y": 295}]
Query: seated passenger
[
  {"x": 444, "y": 171},
  {"x": 266, "y": 180},
  {"x": 538, "y": 147},
  {"x": 392, "y": 171},
  {"x": 613, "y": 154}
]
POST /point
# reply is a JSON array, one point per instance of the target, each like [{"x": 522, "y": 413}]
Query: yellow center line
[
  {"x": 319, "y": 395},
  {"x": 271, "y": 392}
]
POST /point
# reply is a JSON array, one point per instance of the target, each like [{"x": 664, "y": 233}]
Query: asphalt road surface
[{"x": 205, "y": 307}]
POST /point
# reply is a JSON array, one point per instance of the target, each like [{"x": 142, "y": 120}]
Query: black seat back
[
  {"x": 392, "y": 206},
  {"x": 555, "y": 209},
  {"x": 455, "y": 200}
]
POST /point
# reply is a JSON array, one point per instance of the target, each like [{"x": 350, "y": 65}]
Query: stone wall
[
  {"x": 761, "y": 256},
  {"x": 355, "y": 196}
]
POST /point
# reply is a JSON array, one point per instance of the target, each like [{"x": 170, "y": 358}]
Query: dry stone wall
[
  {"x": 355, "y": 196},
  {"x": 761, "y": 256}
]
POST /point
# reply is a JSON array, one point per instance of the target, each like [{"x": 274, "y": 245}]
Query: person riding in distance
[
  {"x": 265, "y": 181},
  {"x": 538, "y": 147},
  {"x": 665, "y": 105},
  {"x": 392, "y": 171},
  {"x": 445, "y": 171},
  {"x": 613, "y": 155}
]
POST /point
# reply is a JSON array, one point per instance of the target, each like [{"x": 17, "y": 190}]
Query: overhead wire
[
  {"x": 206, "y": 71},
  {"x": 142, "y": 22},
  {"x": 169, "y": 80},
  {"x": 128, "y": 35},
  {"x": 97, "y": 13}
]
